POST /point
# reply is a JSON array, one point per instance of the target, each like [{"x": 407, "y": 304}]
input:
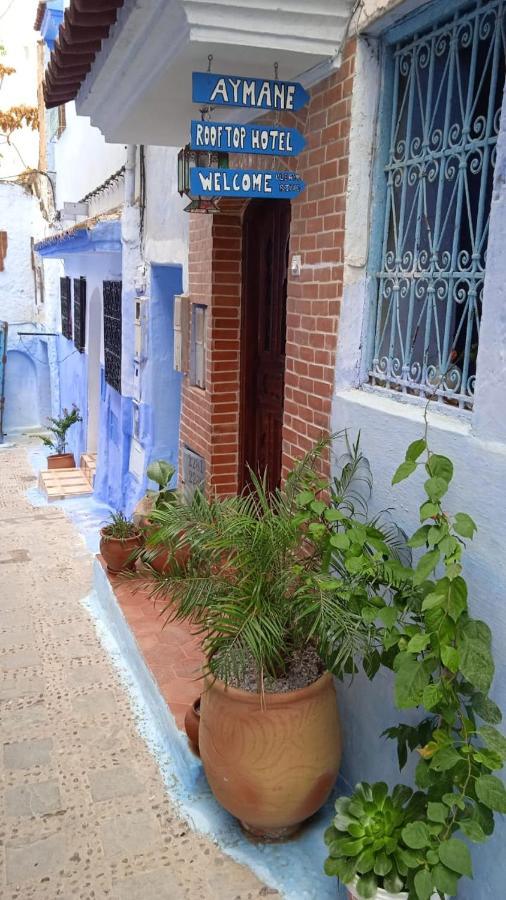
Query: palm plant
[
  {"x": 58, "y": 426},
  {"x": 257, "y": 588}
]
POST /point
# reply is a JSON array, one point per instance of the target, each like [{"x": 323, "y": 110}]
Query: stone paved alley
[{"x": 84, "y": 811}]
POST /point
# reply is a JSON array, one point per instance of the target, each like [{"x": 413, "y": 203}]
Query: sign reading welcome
[{"x": 208, "y": 182}]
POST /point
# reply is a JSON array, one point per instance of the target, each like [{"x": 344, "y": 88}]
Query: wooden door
[{"x": 266, "y": 232}]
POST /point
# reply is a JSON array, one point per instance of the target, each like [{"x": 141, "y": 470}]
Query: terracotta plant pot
[
  {"x": 61, "y": 461},
  {"x": 275, "y": 766},
  {"x": 117, "y": 552},
  {"x": 192, "y": 725},
  {"x": 162, "y": 561}
]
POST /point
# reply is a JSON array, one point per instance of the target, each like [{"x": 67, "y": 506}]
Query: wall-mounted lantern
[{"x": 187, "y": 160}]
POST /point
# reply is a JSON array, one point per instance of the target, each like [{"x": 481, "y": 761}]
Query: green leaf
[
  {"x": 404, "y": 471},
  {"x": 437, "y": 812},
  {"x": 388, "y": 615},
  {"x": 428, "y": 510},
  {"x": 457, "y": 598},
  {"x": 332, "y": 867},
  {"x": 409, "y": 858},
  {"x": 464, "y": 525},
  {"x": 475, "y": 659},
  {"x": 493, "y": 739},
  {"x": 416, "y": 835},
  {"x": 486, "y": 709},
  {"x": 418, "y": 643},
  {"x": 426, "y": 564},
  {"x": 455, "y": 855},
  {"x": 416, "y": 449},
  {"x": 423, "y": 884},
  {"x": 318, "y": 507},
  {"x": 304, "y": 498},
  {"x": 367, "y": 886},
  {"x": 382, "y": 864},
  {"x": 333, "y": 515},
  {"x": 432, "y": 695},
  {"x": 369, "y": 614},
  {"x": 440, "y": 467},
  {"x": 445, "y": 880},
  {"x": 433, "y": 600},
  {"x": 435, "y": 488},
  {"x": 472, "y": 830},
  {"x": 445, "y": 759},
  {"x": 450, "y": 658},
  {"x": 490, "y": 790},
  {"x": 365, "y": 861},
  {"x": 488, "y": 758},
  {"x": 410, "y": 680},
  {"x": 392, "y": 883},
  {"x": 419, "y": 538},
  {"x": 340, "y": 541}
]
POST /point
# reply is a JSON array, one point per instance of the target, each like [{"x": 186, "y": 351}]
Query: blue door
[{"x": 3, "y": 360}]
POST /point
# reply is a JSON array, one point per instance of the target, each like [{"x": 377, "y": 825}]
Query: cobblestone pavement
[{"x": 84, "y": 811}]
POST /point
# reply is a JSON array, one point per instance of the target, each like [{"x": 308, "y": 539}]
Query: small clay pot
[
  {"x": 192, "y": 725},
  {"x": 270, "y": 764},
  {"x": 117, "y": 552},
  {"x": 162, "y": 561},
  {"x": 61, "y": 461}
]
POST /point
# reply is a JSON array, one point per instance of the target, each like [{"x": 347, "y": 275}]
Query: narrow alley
[{"x": 85, "y": 810}]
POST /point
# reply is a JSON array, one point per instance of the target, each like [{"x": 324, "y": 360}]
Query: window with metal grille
[
  {"x": 57, "y": 122},
  {"x": 446, "y": 90},
  {"x": 112, "y": 333},
  {"x": 66, "y": 308},
  {"x": 80, "y": 313}
]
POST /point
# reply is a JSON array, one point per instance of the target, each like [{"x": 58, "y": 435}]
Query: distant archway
[{"x": 21, "y": 393}]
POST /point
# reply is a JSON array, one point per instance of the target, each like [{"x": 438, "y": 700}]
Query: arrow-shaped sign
[
  {"x": 273, "y": 140},
  {"x": 256, "y": 93},
  {"x": 208, "y": 182}
]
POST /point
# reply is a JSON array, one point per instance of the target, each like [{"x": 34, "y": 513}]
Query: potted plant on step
[
  {"x": 388, "y": 845},
  {"x": 158, "y": 553},
  {"x": 120, "y": 539},
  {"x": 58, "y": 442},
  {"x": 275, "y": 625}
]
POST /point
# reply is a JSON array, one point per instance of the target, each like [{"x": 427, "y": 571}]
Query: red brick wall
[{"x": 210, "y": 418}]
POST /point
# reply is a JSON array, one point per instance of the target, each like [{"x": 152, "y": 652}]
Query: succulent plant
[{"x": 365, "y": 839}]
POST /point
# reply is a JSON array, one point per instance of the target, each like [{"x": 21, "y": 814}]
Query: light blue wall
[
  {"x": 27, "y": 383},
  {"x": 163, "y": 383}
]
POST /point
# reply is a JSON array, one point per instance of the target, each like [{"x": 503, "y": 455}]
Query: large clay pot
[
  {"x": 271, "y": 766},
  {"x": 117, "y": 552},
  {"x": 192, "y": 725},
  {"x": 61, "y": 461}
]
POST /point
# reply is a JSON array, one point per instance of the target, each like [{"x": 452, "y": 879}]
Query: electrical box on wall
[
  {"x": 140, "y": 328},
  {"x": 181, "y": 333}
]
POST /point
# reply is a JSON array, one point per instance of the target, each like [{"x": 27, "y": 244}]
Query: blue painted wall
[
  {"x": 164, "y": 384},
  {"x": 73, "y": 369}
]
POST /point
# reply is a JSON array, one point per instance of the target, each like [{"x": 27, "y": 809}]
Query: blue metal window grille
[
  {"x": 80, "y": 313},
  {"x": 66, "y": 308},
  {"x": 446, "y": 104},
  {"x": 112, "y": 333}
]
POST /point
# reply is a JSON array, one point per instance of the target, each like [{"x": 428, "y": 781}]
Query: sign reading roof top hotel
[{"x": 253, "y": 93}]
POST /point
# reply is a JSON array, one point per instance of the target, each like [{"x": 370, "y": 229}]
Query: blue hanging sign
[
  {"x": 211, "y": 182},
  {"x": 273, "y": 140},
  {"x": 255, "y": 93}
]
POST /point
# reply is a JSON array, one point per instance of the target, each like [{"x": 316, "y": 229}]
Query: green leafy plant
[
  {"x": 161, "y": 472},
  {"x": 367, "y": 839},
  {"x": 259, "y": 587},
  {"x": 442, "y": 663},
  {"x": 59, "y": 428},
  {"x": 119, "y": 527}
]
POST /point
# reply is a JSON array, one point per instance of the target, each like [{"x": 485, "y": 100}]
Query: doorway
[{"x": 266, "y": 234}]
